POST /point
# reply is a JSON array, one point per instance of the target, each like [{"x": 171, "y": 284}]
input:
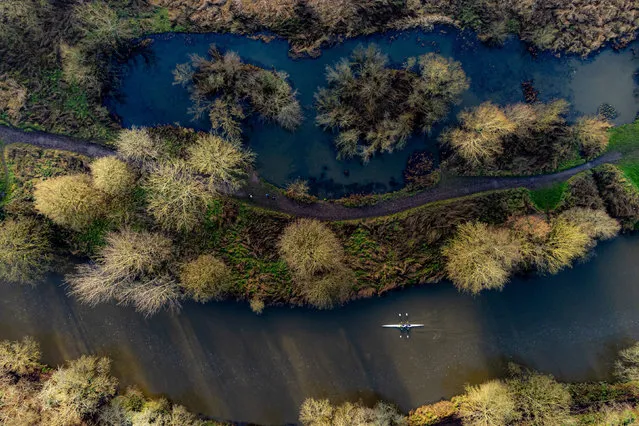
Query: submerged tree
[
  {"x": 375, "y": 108},
  {"x": 25, "y": 251},
  {"x": 226, "y": 88}
]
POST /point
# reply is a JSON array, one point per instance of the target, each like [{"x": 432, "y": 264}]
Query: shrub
[
  {"x": 20, "y": 358},
  {"x": 565, "y": 243},
  {"x": 328, "y": 289},
  {"x": 540, "y": 399},
  {"x": 13, "y": 98},
  {"x": 309, "y": 247},
  {"x": 137, "y": 145},
  {"x": 70, "y": 201},
  {"x": 594, "y": 223},
  {"x": 257, "y": 305},
  {"x": 25, "y": 251},
  {"x": 175, "y": 198},
  {"x": 479, "y": 139},
  {"x": 489, "y": 404},
  {"x": 376, "y": 108},
  {"x": 298, "y": 190},
  {"x": 432, "y": 414},
  {"x": 78, "y": 390},
  {"x": 112, "y": 176},
  {"x": 480, "y": 257},
  {"x": 76, "y": 69},
  {"x": 225, "y": 162},
  {"x": 592, "y": 134},
  {"x": 620, "y": 196},
  {"x": 582, "y": 192},
  {"x": 316, "y": 412},
  {"x": 19, "y": 402},
  {"x": 627, "y": 366},
  {"x": 132, "y": 269},
  {"x": 206, "y": 278}
]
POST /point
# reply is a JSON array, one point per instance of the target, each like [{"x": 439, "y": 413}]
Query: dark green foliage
[
  {"x": 547, "y": 199},
  {"x": 375, "y": 108},
  {"x": 620, "y": 196},
  {"x": 582, "y": 191},
  {"x": 224, "y": 87}
]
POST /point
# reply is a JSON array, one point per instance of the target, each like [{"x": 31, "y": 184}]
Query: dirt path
[{"x": 255, "y": 192}]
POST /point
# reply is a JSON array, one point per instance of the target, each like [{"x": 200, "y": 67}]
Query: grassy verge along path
[{"x": 255, "y": 192}]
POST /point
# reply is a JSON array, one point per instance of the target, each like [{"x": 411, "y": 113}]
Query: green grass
[
  {"x": 624, "y": 139},
  {"x": 631, "y": 170},
  {"x": 547, "y": 199}
]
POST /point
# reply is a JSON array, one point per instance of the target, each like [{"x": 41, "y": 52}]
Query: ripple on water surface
[{"x": 147, "y": 96}]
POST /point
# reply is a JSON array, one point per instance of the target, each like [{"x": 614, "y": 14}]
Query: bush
[
  {"x": 376, "y": 108},
  {"x": 257, "y": 305},
  {"x": 13, "y": 98},
  {"x": 112, "y": 176},
  {"x": 298, "y": 190},
  {"x": 175, "y": 198},
  {"x": 70, "y": 201},
  {"x": 206, "y": 278},
  {"x": 25, "y": 251},
  {"x": 225, "y": 162},
  {"x": 309, "y": 248},
  {"x": 620, "y": 196},
  {"x": 479, "y": 139},
  {"x": 77, "y": 391},
  {"x": 592, "y": 134},
  {"x": 137, "y": 145},
  {"x": 582, "y": 192},
  {"x": 489, "y": 404},
  {"x": 19, "y": 406},
  {"x": 133, "y": 268},
  {"x": 480, "y": 257},
  {"x": 316, "y": 412},
  {"x": 328, "y": 289},
  {"x": 432, "y": 414},
  {"x": 627, "y": 366},
  {"x": 565, "y": 243},
  {"x": 540, "y": 399},
  {"x": 594, "y": 223},
  {"x": 20, "y": 358}
]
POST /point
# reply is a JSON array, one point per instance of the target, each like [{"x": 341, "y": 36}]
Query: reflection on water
[
  {"x": 224, "y": 361},
  {"x": 150, "y": 98}
]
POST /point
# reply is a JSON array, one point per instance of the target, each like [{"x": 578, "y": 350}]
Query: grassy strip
[
  {"x": 624, "y": 139},
  {"x": 547, "y": 199}
]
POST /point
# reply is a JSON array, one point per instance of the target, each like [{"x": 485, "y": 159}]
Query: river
[
  {"x": 222, "y": 360},
  {"x": 148, "y": 97}
]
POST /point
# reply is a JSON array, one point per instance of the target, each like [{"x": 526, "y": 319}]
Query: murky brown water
[{"x": 224, "y": 361}]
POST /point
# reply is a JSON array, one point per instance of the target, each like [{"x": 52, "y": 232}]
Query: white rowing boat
[{"x": 402, "y": 326}]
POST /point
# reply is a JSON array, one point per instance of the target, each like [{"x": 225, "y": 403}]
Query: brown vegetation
[
  {"x": 489, "y": 404},
  {"x": 134, "y": 268},
  {"x": 206, "y": 278},
  {"x": 236, "y": 84},
  {"x": 480, "y": 257},
  {"x": 320, "y": 412},
  {"x": 224, "y": 162},
  {"x": 576, "y": 26},
  {"x": 80, "y": 392},
  {"x": 518, "y": 139},
  {"x": 375, "y": 108},
  {"x": 112, "y": 176},
  {"x": 175, "y": 197}
]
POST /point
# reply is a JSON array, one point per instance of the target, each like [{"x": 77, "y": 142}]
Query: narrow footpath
[{"x": 255, "y": 191}]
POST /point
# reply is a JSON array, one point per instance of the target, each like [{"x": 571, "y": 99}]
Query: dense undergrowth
[
  {"x": 575, "y": 26},
  {"x": 81, "y": 392}
]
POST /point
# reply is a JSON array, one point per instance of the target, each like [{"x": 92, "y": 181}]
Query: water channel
[
  {"x": 224, "y": 361},
  {"x": 147, "y": 96}
]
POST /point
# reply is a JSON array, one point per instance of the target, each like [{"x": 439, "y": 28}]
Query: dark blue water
[{"x": 147, "y": 96}]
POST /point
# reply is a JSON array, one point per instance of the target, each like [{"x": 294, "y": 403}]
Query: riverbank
[{"x": 225, "y": 362}]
